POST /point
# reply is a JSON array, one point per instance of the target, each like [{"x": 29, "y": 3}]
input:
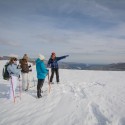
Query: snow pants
[
  {"x": 25, "y": 81},
  {"x": 54, "y": 70},
  {"x": 39, "y": 87},
  {"x": 13, "y": 84}
]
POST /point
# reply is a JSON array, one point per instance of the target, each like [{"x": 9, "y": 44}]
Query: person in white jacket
[{"x": 14, "y": 73}]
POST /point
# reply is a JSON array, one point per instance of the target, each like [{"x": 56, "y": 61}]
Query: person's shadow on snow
[{"x": 3, "y": 90}]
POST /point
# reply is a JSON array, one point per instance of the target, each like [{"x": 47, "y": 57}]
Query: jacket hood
[{"x": 38, "y": 60}]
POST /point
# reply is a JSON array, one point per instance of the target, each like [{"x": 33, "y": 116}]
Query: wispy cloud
[
  {"x": 88, "y": 30},
  {"x": 7, "y": 43}
]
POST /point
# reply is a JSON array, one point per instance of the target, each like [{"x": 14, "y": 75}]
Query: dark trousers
[
  {"x": 54, "y": 70},
  {"x": 39, "y": 86}
]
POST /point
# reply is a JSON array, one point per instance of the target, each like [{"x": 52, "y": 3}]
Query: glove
[
  {"x": 29, "y": 66},
  {"x": 30, "y": 70},
  {"x": 67, "y": 55}
]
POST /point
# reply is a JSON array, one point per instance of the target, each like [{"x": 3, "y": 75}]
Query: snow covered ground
[{"x": 81, "y": 98}]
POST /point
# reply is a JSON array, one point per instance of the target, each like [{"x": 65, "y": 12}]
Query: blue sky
[{"x": 90, "y": 31}]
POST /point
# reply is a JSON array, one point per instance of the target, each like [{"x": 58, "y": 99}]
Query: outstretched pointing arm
[{"x": 62, "y": 57}]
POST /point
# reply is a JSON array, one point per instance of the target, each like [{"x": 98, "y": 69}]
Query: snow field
[{"x": 81, "y": 98}]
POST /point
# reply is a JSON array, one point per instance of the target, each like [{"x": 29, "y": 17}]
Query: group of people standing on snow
[
  {"x": 24, "y": 68},
  {"x": 42, "y": 71},
  {"x": 15, "y": 70}
]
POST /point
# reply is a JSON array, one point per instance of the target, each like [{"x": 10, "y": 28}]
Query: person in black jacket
[{"x": 53, "y": 63}]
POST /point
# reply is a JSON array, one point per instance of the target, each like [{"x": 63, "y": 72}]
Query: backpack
[{"x": 6, "y": 75}]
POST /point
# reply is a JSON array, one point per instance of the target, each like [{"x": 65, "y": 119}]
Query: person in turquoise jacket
[{"x": 42, "y": 72}]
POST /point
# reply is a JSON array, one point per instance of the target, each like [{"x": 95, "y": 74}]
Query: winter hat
[
  {"x": 53, "y": 53},
  {"x": 25, "y": 57},
  {"x": 41, "y": 57}
]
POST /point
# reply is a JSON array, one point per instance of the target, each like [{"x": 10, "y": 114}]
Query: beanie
[
  {"x": 41, "y": 57},
  {"x": 25, "y": 57}
]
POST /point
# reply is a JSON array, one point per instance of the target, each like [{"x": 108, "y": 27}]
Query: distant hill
[
  {"x": 4, "y": 58},
  {"x": 82, "y": 66}
]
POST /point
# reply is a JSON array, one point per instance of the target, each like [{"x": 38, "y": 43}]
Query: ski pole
[
  {"x": 34, "y": 81},
  {"x": 49, "y": 83},
  {"x": 20, "y": 88},
  {"x": 13, "y": 89},
  {"x": 27, "y": 81}
]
